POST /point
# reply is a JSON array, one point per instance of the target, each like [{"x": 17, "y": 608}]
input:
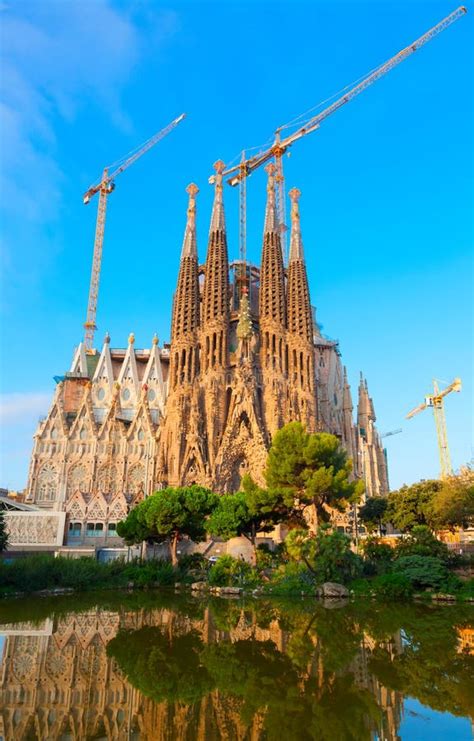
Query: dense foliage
[
  {"x": 373, "y": 512},
  {"x": 411, "y": 505},
  {"x": 327, "y": 555},
  {"x": 169, "y": 515},
  {"x": 248, "y": 512},
  {"x": 232, "y": 572},
  {"x": 439, "y": 504},
  {"x": 305, "y": 469},
  {"x": 3, "y": 532}
]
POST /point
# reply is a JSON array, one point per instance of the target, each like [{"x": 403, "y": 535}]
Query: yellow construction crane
[
  {"x": 104, "y": 187},
  {"x": 277, "y": 149},
  {"x": 436, "y": 402}
]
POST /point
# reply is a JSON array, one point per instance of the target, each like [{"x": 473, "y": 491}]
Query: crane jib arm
[{"x": 280, "y": 146}]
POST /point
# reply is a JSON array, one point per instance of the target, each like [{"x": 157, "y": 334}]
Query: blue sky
[{"x": 386, "y": 183}]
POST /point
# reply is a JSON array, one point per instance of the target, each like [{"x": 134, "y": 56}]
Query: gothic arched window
[
  {"x": 106, "y": 479},
  {"x": 77, "y": 479},
  {"x": 47, "y": 483},
  {"x": 136, "y": 478}
]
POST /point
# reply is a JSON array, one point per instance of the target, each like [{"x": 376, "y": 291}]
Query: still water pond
[{"x": 159, "y": 667}]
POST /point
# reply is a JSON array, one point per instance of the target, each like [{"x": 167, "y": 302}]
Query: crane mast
[
  {"x": 436, "y": 402},
  {"x": 104, "y": 187},
  {"x": 280, "y": 146}
]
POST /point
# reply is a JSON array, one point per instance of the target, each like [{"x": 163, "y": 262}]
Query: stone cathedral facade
[{"x": 246, "y": 356}]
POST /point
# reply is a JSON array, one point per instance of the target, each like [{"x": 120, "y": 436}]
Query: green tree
[
  {"x": 248, "y": 512},
  {"x": 422, "y": 542},
  {"x": 134, "y": 528},
  {"x": 327, "y": 554},
  {"x": 453, "y": 504},
  {"x": 310, "y": 469},
  {"x": 372, "y": 513},
  {"x": 169, "y": 515},
  {"x": 412, "y": 505},
  {"x": 3, "y": 532}
]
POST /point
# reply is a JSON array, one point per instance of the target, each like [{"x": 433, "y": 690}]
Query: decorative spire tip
[{"x": 192, "y": 190}]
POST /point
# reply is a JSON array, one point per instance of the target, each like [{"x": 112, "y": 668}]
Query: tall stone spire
[
  {"x": 300, "y": 317},
  {"x": 346, "y": 398},
  {"x": 185, "y": 322},
  {"x": 217, "y": 217},
  {"x": 272, "y": 275},
  {"x": 365, "y": 410},
  {"x": 301, "y": 362},
  {"x": 189, "y": 241},
  {"x": 215, "y": 302},
  {"x": 348, "y": 426}
]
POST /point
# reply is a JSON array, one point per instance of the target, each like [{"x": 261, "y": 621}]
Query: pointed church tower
[
  {"x": 364, "y": 411},
  {"x": 348, "y": 425},
  {"x": 272, "y": 304},
  {"x": 374, "y": 466},
  {"x": 215, "y": 322},
  {"x": 215, "y": 302},
  {"x": 184, "y": 361},
  {"x": 272, "y": 316},
  {"x": 184, "y": 356},
  {"x": 301, "y": 370}
]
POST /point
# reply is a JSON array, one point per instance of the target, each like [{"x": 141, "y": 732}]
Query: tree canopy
[
  {"x": 411, "y": 505},
  {"x": 310, "y": 469},
  {"x": 248, "y": 512},
  {"x": 169, "y": 515},
  {"x": 439, "y": 504},
  {"x": 372, "y": 513},
  {"x": 453, "y": 504}
]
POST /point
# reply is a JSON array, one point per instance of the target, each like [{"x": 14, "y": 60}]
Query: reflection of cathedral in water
[{"x": 58, "y": 682}]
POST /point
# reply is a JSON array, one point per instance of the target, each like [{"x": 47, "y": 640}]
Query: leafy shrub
[
  {"x": 232, "y": 572},
  {"x": 266, "y": 559},
  {"x": 423, "y": 572},
  {"x": 466, "y": 589},
  {"x": 149, "y": 573},
  {"x": 422, "y": 542},
  {"x": 291, "y": 578},
  {"x": 46, "y": 572},
  {"x": 327, "y": 555},
  {"x": 393, "y": 586},
  {"x": 191, "y": 561},
  {"x": 379, "y": 554}
]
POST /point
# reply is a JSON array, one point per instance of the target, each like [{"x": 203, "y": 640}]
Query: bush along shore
[
  {"x": 321, "y": 565},
  {"x": 307, "y": 476}
]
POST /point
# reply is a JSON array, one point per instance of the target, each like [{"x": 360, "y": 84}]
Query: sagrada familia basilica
[{"x": 246, "y": 356}]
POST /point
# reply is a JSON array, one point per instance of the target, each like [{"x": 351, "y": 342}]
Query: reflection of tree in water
[
  {"x": 216, "y": 669},
  {"x": 161, "y": 665}
]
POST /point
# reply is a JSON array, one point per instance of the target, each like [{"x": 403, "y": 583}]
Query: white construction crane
[
  {"x": 436, "y": 402},
  {"x": 104, "y": 187},
  {"x": 276, "y": 150}
]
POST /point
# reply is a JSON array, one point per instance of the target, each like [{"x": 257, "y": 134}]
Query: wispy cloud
[
  {"x": 23, "y": 408},
  {"x": 58, "y": 60}
]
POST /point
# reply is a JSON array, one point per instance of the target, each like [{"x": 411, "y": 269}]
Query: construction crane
[
  {"x": 104, "y": 187},
  {"x": 436, "y": 402},
  {"x": 392, "y": 432},
  {"x": 279, "y": 146}
]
